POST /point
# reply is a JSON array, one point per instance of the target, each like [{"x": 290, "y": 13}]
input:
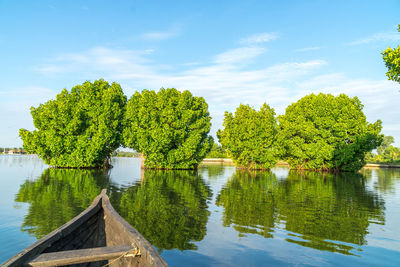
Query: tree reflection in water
[
  {"x": 169, "y": 208},
  {"x": 317, "y": 209},
  {"x": 57, "y": 196}
]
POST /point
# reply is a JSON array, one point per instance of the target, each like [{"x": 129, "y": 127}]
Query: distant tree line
[
  {"x": 13, "y": 149},
  {"x": 385, "y": 153},
  {"x": 119, "y": 153}
]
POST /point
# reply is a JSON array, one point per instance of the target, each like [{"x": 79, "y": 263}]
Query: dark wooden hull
[{"x": 96, "y": 237}]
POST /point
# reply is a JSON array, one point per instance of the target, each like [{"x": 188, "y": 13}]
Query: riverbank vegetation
[
  {"x": 127, "y": 154},
  {"x": 217, "y": 152},
  {"x": 12, "y": 151},
  {"x": 386, "y": 153}
]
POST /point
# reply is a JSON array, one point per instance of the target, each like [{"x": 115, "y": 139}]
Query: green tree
[
  {"x": 170, "y": 128},
  {"x": 80, "y": 128},
  {"x": 324, "y": 132},
  {"x": 386, "y": 142},
  {"x": 217, "y": 151},
  {"x": 249, "y": 137},
  {"x": 391, "y": 56},
  {"x": 392, "y": 153}
]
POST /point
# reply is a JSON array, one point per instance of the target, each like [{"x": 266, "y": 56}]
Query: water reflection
[
  {"x": 57, "y": 196},
  {"x": 317, "y": 209},
  {"x": 169, "y": 208},
  {"x": 384, "y": 180}
]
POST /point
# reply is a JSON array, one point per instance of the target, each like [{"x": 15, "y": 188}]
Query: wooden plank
[{"x": 81, "y": 256}]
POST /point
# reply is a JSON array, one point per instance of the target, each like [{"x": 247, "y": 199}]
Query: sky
[{"x": 229, "y": 52}]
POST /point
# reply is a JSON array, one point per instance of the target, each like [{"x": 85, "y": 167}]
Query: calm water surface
[{"x": 217, "y": 216}]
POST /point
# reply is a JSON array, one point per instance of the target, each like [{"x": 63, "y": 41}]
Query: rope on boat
[{"x": 135, "y": 252}]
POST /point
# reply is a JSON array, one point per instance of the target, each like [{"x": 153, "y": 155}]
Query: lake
[{"x": 217, "y": 215}]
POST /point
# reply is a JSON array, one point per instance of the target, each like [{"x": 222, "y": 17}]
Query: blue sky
[{"x": 229, "y": 52}]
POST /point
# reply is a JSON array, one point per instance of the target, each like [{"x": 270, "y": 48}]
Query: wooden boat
[{"x": 98, "y": 236}]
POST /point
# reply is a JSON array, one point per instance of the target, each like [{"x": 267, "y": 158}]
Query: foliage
[
  {"x": 80, "y": 128},
  {"x": 170, "y": 128},
  {"x": 387, "y": 153},
  {"x": 217, "y": 151},
  {"x": 391, "y": 56},
  {"x": 57, "y": 196},
  {"x": 168, "y": 208},
  {"x": 249, "y": 137},
  {"x": 391, "y": 155},
  {"x": 118, "y": 153},
  {"x": 386, "y": 142},
  {"x": 324, "y": 132},
  {"x": 317, "y": 208}
]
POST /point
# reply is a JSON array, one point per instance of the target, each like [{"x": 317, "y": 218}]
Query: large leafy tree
[
  {"x": 391, "y": 56},
  {"x": 324, "y": 132},
  {"x": 80, "y": 128},
  {"x": 249, "y": 137},
  {"x": 170, "y": 128}
]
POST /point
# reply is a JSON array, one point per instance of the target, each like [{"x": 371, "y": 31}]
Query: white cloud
[
  {"x": 378, "y": 37},
  {"x": 259, "y": 38},
  {"x": 161, "y": 35},
  {"x": 238, "y": 55},
  {"x": 306, "y": 49}
]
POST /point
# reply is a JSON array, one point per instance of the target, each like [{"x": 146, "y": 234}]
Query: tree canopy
[
  {"x": 324, "y": 132},
  {"x": 170, "y": 128},
  {"x": 391, "y": 56},
  {"x": 80, "y": 128},
  {"x": 386, "y": 142},
  {"x": 249, "y": 137}
]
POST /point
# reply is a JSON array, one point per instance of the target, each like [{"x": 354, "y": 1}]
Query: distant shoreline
[
  {"x": 283, "y": 163},
  {"x": 228, "y": 161}
]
